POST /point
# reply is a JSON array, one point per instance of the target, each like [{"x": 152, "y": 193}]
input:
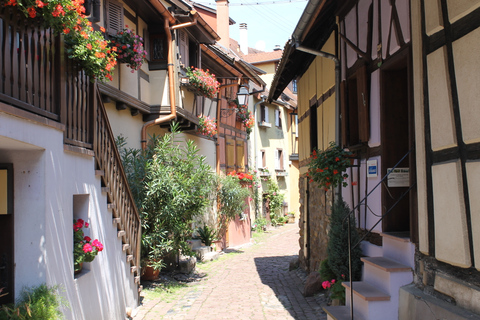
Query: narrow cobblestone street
[{"x": 254, "y": 284}]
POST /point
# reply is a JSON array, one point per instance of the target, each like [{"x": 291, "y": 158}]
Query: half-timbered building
[{"x": 393, "y": 82}]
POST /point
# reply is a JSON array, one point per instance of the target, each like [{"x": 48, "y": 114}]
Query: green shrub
[
  {"x": 171, "y": 184},
  {"x": 36, "y": 303},
  {"x": 337, "y": 249},
  {"x": 207, "y": 235},
  {"x": 259, "y": 224},
  {"x": 325, "y": 271}
]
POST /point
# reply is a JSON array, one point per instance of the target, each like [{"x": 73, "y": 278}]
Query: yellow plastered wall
[{"x": 316, "y": 82}]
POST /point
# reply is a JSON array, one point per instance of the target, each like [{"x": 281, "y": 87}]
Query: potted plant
[
  {"x": 328, "y": 167},
  {"x": 207, "y": 235},
  {"x": 84, "y": 249},
  {"x": 203, "y": 81},
  {"x": 129, "y": 47},
  {"x": 207, "y": 126},
  {"x": 246, "y": 117}
]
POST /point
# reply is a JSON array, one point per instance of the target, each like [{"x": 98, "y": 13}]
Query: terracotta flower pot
[{"x": 150, "y": 274}]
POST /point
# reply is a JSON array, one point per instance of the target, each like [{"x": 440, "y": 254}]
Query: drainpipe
[{"x": 171, "y": 80}]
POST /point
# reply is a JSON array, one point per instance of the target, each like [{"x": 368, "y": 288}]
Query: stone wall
[{"x": 313, "y": 225}]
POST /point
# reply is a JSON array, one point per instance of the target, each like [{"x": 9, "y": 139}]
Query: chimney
[
  {"x": 243, "y": 38},
  {"x": 277, "y": 48},
  {"x": 223, "y": 22}
]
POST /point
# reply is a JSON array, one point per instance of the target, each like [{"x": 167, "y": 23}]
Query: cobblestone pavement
[{"x": 255, "y": 284}]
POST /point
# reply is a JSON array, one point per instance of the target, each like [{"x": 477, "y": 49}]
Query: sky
[{"x": 269, "y": 22}]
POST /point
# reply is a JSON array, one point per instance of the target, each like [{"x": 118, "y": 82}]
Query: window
[
  {"x": 279, "y": 165},
  {"x": 261, "y": 160},
  {"x": 278, "y": 118},
  {"x": 313, "y": 124},
  {"x": 354, "y": 108},
  {"x": 183, "y": 48},
  {"x": 264, "y": 114},
  {"x": 114, "y": 17},
  {"x": 294, "y": 86}
]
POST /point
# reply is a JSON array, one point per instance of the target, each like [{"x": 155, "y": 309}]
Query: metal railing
[{"x": 347, "y": 219}]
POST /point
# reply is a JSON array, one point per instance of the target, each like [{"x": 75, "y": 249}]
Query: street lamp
[
  {"x": 242, "y": 95},
  {"x": 242, "y": 99}
]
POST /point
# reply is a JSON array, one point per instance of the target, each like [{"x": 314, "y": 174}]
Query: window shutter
[
  {"x": 240, "y": 156},
  {"x": 277, "y": 117},
  {"x": 363, "y": 104},
  {"x": 114, "y": 19},
  {"x": 259, "y": 159},
  {"x": 277, "y": 159},
  {"x": 183, "y": 47},
  {"x": 266, "y": 114},
  {"x": 230, "y": 154}
]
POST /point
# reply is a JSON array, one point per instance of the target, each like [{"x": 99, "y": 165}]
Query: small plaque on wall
[{"x": 399, "y": 177}]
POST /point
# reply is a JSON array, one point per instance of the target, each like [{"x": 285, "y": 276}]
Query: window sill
[
  {"x": 264, "y": 124},
  {"x": 281, "y": 173}
]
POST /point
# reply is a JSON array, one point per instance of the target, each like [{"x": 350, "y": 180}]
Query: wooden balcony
[{"x": 37, "y": 76}]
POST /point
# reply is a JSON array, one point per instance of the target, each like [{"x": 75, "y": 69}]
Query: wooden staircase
[{"x": 376, "y": 297}]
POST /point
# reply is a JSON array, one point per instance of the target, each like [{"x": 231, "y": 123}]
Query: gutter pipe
[{"x": 171, "y": 80}]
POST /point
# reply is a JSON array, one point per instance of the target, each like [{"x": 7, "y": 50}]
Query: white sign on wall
[
  {"x": 399, "y": 177},
  {"x": 372, "y": 167}
]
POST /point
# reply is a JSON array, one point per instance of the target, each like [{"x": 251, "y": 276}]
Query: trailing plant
[
  {"x": 328, "y": 167},
  {"x": 83, "y": 44},
  {"x": 204, "y": 81},
  {"x": 84, "y": 249},
  {"x": 171, "y": 183},
  {"x": 246, "y": 117},
  {"x": 207, "y": 126},
  {"x": 207, "y": 235},
  {"x": 274, "y": 197},
  {"x": 337, "y": 248},
  {"x": 39, "y": 302},
  {"x": 130, "y": 49}
]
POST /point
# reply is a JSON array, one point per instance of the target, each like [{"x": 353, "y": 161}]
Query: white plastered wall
[{"x": 46, "y": 178}]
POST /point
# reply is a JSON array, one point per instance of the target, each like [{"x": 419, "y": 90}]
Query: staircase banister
[{"x": 379, "y": 183}]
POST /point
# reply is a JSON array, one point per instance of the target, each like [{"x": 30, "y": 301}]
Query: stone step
[
  {"x": 341, "y": 313},
  {"x": 387, "y": 275},
  {"x": 366, "y": 291},
  {"x": 397, "y": 246},
  {"x": 370, "y": 302},
  {"x": 386, "y": 264}
]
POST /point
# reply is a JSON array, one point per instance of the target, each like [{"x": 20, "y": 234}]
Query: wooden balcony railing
[
  {"x": 29, "y": 64},
  {"x": 37, "y": 76}
]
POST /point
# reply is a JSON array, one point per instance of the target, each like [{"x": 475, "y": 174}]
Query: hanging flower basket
[
  {"x": 204, "y": 81},
  {"x": 129, "y": 48},
  {"x": 207, "y": 126},
  {"x": 82, "y": 43},
  {"x": 328, "y": 168}
]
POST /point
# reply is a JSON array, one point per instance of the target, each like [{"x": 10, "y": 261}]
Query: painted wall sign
[{"x": 399, "y": 177}]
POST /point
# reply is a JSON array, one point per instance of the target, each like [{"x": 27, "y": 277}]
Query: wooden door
[
  {"x": 396, "y": 143},
  {"x": 6, "y": 234}
]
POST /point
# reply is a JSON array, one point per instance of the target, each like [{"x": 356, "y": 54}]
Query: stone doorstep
[
  {"x": 386, "y": 264},
  {"x": 366, "y": 291},
  {"x": 340, "y": 313}
]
